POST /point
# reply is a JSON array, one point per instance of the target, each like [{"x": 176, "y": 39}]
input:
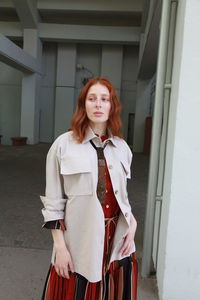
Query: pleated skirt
[{"x": 119, "y": 280}]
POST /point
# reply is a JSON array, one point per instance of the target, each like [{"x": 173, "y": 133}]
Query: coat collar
[{"x": 90, "y": 135}]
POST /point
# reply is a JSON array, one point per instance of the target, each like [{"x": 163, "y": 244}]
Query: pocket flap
[{"x": 75, "y": 165}]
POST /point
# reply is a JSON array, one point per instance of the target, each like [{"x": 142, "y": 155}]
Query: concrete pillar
[
  {"x": 65, "y": 87},
  {"x": 178, "y": 272},
  {"x": 111, "y": 64},
  {"x": 30, "y": 90}
]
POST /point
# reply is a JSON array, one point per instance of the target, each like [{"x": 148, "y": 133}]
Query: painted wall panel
[
  {"x": 66, "y": 65},
  {"x": 89, "y": 56},
  {"x": 128, "y": 85},
  {"x": 10, "y": 102},
  {"x": 111, "y": 64},
  {"x": 63, "y": 109},
  {"x": 10, "y": 109},
  {"x": 9, "y": 75},
  {"x": 47, "y": 95},
  {"x": 49, "y": 64}
]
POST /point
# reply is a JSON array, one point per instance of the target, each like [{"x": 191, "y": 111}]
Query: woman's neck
[{"x": 99, "y": 129}]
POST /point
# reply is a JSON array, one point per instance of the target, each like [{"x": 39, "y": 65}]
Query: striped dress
[{"x": 119, "y": 280}]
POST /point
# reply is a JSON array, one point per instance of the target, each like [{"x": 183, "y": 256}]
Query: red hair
[{"x": 80, "y": 120}]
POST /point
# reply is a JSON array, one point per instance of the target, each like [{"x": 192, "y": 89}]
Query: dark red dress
[{"x": 119, "y": 281}]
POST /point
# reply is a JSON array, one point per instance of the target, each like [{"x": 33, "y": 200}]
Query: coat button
[
  {"x": 126, "y": 215},
  {"x": 110, "y": 167},
  {"x": 116, "y": 192},
  {"x": 107, "y": 206}
]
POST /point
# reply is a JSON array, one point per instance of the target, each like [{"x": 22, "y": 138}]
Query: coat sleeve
[{"x": 53, "y": 200}]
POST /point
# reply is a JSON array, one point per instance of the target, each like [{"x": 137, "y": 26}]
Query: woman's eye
[
  {"x": 91, "y": 99},
  {"x": 105, "y": 99}
]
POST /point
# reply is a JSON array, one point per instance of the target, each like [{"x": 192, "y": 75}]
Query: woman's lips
[{"x": 98, "y": 114}]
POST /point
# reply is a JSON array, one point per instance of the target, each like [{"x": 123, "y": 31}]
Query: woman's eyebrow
[{"x": 93, "y": 94}]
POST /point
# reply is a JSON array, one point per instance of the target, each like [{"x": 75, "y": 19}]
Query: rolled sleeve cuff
[
  {"x": 53, "y": 208},
  {"x": 57, "y": 224}
]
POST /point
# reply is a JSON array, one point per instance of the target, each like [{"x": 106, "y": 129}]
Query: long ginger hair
[{"x": 80, "y": 120}]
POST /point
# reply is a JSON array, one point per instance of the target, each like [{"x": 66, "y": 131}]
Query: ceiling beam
[
  {"x": 129, "y": 6},
  {"x": 27, "y": 13},
  {"x": 16, "y": 57},
  {"x": 77, "y": 33},
  {"x": 89, "y": 33},
  {"x": 90, "y": 5}
]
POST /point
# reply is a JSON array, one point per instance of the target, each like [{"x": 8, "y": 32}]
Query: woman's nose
[{"x": 98, "y": 102}]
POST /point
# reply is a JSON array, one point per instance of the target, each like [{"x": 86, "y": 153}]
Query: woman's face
[{"x": 97, "y": 103}]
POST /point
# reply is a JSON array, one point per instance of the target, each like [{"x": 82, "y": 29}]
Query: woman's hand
[
  {"x": 129, "y": 237},
  {"x": 63, "y": 263}
]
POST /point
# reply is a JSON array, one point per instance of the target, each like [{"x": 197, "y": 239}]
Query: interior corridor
[{"x": 25, "y": 248}]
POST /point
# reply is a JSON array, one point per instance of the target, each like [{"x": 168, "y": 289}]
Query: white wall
[
  {"x": 178, "y": 258},
  {"x": 10, "y": 102}
]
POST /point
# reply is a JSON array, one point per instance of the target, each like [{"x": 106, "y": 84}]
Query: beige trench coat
[{"x": 71, "y": 182}]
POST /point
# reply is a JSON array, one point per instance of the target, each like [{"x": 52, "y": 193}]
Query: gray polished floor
[{"x": 25, "y": 248}]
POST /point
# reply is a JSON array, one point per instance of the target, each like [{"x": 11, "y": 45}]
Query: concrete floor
[{"x": 25, "y": 248}]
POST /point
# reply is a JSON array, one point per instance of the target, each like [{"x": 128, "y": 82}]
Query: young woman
[{"x": 86, "y": 204}]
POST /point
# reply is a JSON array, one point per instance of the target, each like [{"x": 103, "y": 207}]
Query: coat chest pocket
[
  {"x": 126, "y": 169},
  {"x": 77, "y": 176}
]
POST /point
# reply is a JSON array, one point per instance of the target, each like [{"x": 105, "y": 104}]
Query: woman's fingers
[
  {"x": 66, "y": 272},
  {"x": 62, "y": 269},
  {"x": 63, "y": 263},
  {"x": 57, "y": 270},
  {"x": 126, "y": 247},
  {"x": 71, "y": 266}
]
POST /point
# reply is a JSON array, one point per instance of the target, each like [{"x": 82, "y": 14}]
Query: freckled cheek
[{"x": 88, "y": 110}]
